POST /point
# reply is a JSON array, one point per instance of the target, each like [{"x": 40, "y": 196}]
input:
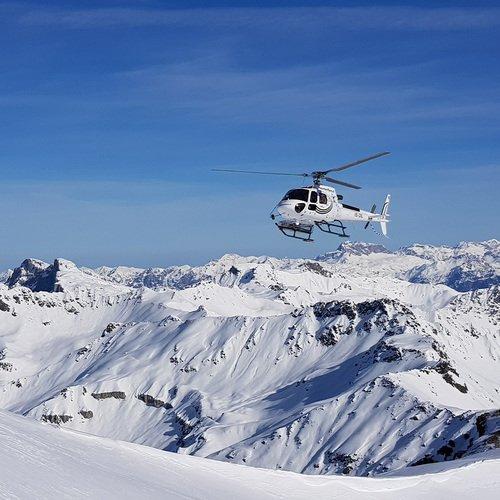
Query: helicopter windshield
[{"x": 297, "y": 194}]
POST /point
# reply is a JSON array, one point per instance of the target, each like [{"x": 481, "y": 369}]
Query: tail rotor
[
  {"x": 373, "y": 212},
  {"x": 382, "y": 218}
]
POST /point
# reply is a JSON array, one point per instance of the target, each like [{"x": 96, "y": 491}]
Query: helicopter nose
[{"x": 290, "y": 208}]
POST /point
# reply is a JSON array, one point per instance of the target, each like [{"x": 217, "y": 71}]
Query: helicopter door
[
  {"x": 313, "y": 199},
  {"x": 324, "y": 205}
]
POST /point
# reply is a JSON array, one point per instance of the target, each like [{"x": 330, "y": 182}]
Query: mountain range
[{"x": 362, "y": 361}]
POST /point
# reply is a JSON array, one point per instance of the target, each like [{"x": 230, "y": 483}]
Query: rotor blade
[
  {"x": 342, "y": 183},
  {"x": 256, "y": 172},
  {"x": 358, "y": 162}
]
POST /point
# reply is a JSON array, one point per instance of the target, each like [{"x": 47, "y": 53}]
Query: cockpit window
[
  {"x": 314, "y": 197},
  {"x": 297, "y": 194},
  {"x": 322, "y": 198}
]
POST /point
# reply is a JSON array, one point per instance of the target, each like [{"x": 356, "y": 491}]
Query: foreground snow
[{"x": 41, "y": 461}]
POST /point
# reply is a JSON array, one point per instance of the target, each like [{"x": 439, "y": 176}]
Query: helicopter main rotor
[{"x": 318, "y": 175}]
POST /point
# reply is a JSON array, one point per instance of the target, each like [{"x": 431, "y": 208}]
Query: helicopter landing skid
[
  {"x": 297, "y": 231},
  {"x": 333, "y": 228}
]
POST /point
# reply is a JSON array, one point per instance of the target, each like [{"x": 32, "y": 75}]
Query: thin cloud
[
  {"x": 300, "y": 93},
  {"x": 276, "y": 18},
  {"x": 330, "y": 94}
]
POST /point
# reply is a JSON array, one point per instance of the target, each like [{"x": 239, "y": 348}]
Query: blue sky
[{"x": 114, "y": 112}]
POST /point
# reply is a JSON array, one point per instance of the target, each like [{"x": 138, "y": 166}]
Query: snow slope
[
  {"x": 42, "y": 461},
  {"x": 334, "y": 366}
]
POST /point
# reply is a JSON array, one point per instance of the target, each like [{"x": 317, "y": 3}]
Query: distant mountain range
[
  {"x": 468, "y": 266},
  {"x": 361, "y": 361}
]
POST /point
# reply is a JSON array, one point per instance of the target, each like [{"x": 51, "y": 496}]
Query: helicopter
[{"x": 319, "y": 205}]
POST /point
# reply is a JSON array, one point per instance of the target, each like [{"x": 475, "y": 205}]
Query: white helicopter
[{"x": 320, "y": 206}]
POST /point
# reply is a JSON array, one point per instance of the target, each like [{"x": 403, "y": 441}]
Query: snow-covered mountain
[
  {"x": 45, "y": 462},
  {"x": 345, "y": 364},
  {"x": 466, "y": 267},
  {"x": 5, "y": 275}
]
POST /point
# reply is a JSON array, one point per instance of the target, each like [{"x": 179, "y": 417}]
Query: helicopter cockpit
[
  {"x": 303, "y": 196},
  {"x": 297, "y": 194},
  {"x": 312, "y": 195}
]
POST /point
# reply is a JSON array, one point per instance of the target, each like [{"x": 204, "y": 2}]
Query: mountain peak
[
  {"x": 34, "y": 274},
  {"x": 39, "y": 276},
  {"x": 354, "y": 248},
  {"x": 62, "y": 264},
  {"x": 361, "y": 248},
  {"x": 470, "y": 248}
]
